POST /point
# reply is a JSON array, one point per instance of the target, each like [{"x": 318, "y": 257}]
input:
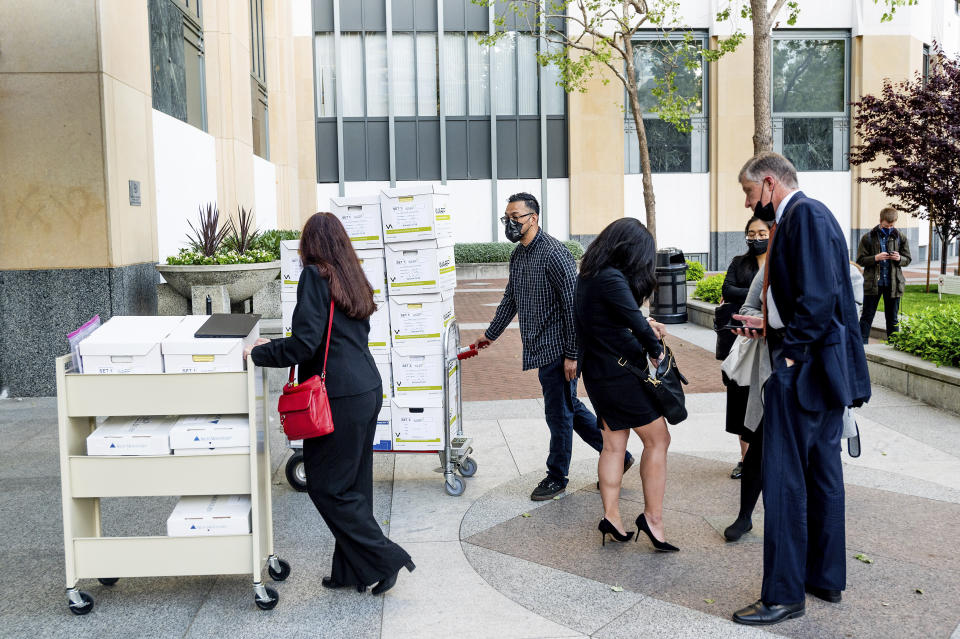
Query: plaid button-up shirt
[{"x": 543, "y": 277}]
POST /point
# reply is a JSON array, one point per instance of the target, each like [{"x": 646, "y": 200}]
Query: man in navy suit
[{"x": 811, "y": 327}]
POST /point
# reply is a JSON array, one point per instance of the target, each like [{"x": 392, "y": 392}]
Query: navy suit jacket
[{"x": 810, "y": 281}]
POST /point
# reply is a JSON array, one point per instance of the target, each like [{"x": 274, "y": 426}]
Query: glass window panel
[
  {"x": 527, "y": 77},
  {"x": 505, "y": 71},
  {"x": 403, "y": 70},
  {"x": 808, "y": 76},
  {"x": 326, "y": 76},
  {"x": 478, "y": 76},
  {"x": 375, "y": 54},
  {"x": 351, "y": 82},
  {"x": 808, "y": 143},
  {"x": 555, "y": 95},
  {"x": 669, "y": 148},
  {"x": 427, "y": 87},
  {"x": 454, "y": 74},
  {"x": 653, "y": 60}
]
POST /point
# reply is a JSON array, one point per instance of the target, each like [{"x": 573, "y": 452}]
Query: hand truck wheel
[
  {"x": 296, "y": 473},
  {"x": 108, "y": 581},
  {"x": 467, "y": 467},
  {"x": 454, "y": 486},
  {"x": 80, "y": 602}
]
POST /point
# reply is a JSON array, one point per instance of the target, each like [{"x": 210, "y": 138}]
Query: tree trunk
[
  {"x": 762, "y": 116},
  {"x": 649, "y": 202},
  {"x": 944, "y": 246},
  {"x": 929, "y": 254}
]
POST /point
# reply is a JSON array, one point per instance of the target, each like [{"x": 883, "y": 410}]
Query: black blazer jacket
[
  {"x": 350, "y": 369},
  {"x": 810, "y": 280},
  {"x": 610, "y": 326}
]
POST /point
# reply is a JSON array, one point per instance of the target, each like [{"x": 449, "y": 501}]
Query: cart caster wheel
[
  {"x": 467, "y": 467},
  {"x": 282, "y": 573},
  {"x": 108, "y": 581},
  {"x": 268, "y": 603},
  {"x": 296, "y": 473},
  {"x": 83, "y": 606},
  {"x": 454, "y": 486}
]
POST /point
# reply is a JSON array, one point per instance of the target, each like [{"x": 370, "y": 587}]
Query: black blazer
[
  {"x": 736, "y": 284},
  {"x": 810, "y": 281},
  {"x": 350, "y": 369},
  {"x": 610, "y": 326}
]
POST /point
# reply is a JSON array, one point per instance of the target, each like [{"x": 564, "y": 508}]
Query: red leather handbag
[{"x": 304, "y": 408}]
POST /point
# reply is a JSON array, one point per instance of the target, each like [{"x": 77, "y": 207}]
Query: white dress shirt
[{"x": 773, "y": 317}]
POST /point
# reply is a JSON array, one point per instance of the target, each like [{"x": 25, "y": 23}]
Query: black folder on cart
[{"x": 228, "y": 325}]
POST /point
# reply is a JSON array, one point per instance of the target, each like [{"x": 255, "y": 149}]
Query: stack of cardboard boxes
[{"x": 404, "y": 239}]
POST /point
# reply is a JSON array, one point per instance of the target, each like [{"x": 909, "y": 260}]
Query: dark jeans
[
  {"x": 891, "y": 307},
  {"x": 565, "y": 414}
]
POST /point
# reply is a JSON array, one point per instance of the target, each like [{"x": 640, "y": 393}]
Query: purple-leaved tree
[{"x": 910, "y": 137}]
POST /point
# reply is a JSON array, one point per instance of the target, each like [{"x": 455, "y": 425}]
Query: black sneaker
[
  {"x": 547, "y": 489},
  {"x": 737, "y": 472}
]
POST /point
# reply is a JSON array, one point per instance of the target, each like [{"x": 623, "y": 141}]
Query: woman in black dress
[
  {"x": 740, "y": 273},
  {"x": 616, "y": 275},
  {"x": 339, "y": 466}
]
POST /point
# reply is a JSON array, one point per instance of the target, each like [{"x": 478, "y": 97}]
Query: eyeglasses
[{"x": 505, "y": 218}]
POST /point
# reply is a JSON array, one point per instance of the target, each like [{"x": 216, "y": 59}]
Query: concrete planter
[
  {"x": 242, "y": 280},
  {"x": 700, "y": 312},
  {"x": 483, "y": 271},
  {"x": 912, "y": 376}
]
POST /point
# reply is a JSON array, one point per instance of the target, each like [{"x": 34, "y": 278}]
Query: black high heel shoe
[
  {"x": 661, "y": 546},
  {"x": 387, "y": 583},
  {"x": 606, "y": 528},
  {"x": 328, "y": 582}
]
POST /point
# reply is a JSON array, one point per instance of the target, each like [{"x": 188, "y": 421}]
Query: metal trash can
[{"x": 669, "y": 303}]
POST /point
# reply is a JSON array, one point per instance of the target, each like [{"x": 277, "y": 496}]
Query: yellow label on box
[
  {"x": 203, "y": 358},
  {"x": 406, "y": 198},
  {"x": 415, "y": 306}
]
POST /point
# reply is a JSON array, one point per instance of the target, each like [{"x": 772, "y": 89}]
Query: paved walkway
[{"x": 484, "y": 569}]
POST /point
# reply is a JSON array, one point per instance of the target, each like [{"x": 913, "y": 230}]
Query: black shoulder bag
[{"x": 665, "y": 387}]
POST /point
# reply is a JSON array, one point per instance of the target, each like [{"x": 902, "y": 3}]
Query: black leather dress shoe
[
  {"x": 831, "y": 596},
  {"x": 761, "y": 614}
]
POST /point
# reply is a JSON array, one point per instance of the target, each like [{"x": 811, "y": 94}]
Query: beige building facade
[{"x": 119, "y": 119}]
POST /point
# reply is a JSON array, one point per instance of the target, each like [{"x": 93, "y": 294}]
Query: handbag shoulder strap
[{"x": 326, "y": 350}]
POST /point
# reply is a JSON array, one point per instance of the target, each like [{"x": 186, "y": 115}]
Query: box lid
[
  {"x": 369, "y": 254},
  {"x": 182, "y": 342},
  {"x": 129, "y": 335},
  {"x": 226, "y": 325},
  {"x": 147, "y": 426},
  {"x": 420, "y": 298},
  {"x": 191, "y": 422},
  {"x": 293, "y": 245},
  {"x": 210, "y": 506},
  {"x": 381, "y": 358},
  {"x": 420, "y": 189},
  {"x": 356, "y": 200}
]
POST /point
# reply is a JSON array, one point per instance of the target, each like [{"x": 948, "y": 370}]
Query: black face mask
[
  {"x": 513, "y": 230},
  {"x": 765, "y": 212},
  {"x": 758, "y": 247}
]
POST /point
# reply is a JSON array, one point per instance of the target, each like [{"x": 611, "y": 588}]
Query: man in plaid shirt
[{"x": 543, "y": 276}]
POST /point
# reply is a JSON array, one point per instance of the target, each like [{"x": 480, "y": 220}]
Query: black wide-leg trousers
[{"x": 339, "y": 469}]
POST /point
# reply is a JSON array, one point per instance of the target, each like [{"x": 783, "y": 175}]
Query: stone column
[{"x": 76, "y": 131}]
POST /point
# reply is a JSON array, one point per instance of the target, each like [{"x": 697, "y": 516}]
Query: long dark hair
[
  {"x": 627, "y": 246},
  {"x": 325, "y": 244}
]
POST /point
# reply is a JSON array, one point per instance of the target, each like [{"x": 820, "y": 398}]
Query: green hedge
[
  {"x": 710, "y": 289},
  {"x": 695, "y": 271},
  {"x": 489, "y": 252},
  {"x": 270, "y": 240},
  {"x": 932, "y": 334}
]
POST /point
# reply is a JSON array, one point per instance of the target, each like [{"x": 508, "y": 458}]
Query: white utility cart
[
  {"x": 455, "y": 454},
  {"x": 86, "y": 479}
]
